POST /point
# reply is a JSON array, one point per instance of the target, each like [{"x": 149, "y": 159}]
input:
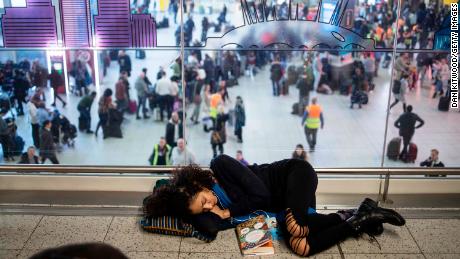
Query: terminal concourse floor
[{"x": 23, "y": 235}]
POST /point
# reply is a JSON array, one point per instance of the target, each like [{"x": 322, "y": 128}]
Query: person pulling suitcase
[{"x": 406, "y": 123}]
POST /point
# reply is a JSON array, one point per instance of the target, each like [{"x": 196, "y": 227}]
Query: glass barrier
[{"x": 178, "y": 82}]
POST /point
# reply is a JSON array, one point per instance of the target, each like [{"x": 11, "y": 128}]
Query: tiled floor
[{"x": 22, "y": 236}]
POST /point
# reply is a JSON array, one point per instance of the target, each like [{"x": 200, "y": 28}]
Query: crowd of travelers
[{"x": 209, "y": 76}]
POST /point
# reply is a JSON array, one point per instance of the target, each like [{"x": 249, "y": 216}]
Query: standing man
[
  {"x": 402, "y": 65},
  {"x": 406, "y": 125},
  {"x": 84, "y": 107},
  {"x": 32, "y": 108},
  {"x": 20, "y": 87},
  {"x": 162, "y": 90},
  {"x": 161, "y": 153},
  {"x": 121, "y": 94},
  {"x": 312, "y": 120},
  {"x": 181, "y": 156},
  {"x": 141, "y": 89},
  {"x": 305, "y": 85},
  {"x": 47, "y": 148},
  {"x": 125, "y": 62},
  {"x": 5, "y": 138},
  {"x": 174, "y": 130},
  {"x": 276, "y": 73}
]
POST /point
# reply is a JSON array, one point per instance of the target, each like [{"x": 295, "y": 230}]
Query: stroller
[
  {"x": 16, "y": 142},
  {"x": 63, "y": 131},
  {"x": 69, "y": 132}
]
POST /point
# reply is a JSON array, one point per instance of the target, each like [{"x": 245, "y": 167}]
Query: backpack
[{"x": 396, "y": 87}]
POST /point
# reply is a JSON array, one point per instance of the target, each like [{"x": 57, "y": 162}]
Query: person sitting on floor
[
  {"x": 433, "y": 161},
  {"x": 29, "y": 157}
]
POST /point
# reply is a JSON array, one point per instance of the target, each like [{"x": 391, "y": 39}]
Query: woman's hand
[{"x": 223, "y": 214}]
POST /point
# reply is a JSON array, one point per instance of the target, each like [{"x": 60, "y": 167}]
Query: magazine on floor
[{"x": 254, "y": 237}]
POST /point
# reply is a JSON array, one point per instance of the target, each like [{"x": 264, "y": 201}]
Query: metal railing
[{"x": 384, "y": 173}]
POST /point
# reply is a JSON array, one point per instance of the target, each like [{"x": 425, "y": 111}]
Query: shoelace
[{"x": 372, "y": 239}]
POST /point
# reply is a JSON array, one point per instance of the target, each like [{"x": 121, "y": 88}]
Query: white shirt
[
  {"x": 32, "y": 113},
  {"x": 173, "y": 89},
  {"x": 179, "y": 158},
  {"x": 176, "y": 132},
  {"x": 163, "y": 86}
]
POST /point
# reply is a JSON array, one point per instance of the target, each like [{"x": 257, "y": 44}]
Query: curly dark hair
[{"x": 174, "y": 199}]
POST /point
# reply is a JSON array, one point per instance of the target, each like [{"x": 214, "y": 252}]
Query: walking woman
[
  {"x": 399, "y": 91},
  {"x": 300, "y": 153},
  {"x": 105, "y": 104},
  {"x": 209, "y": 199},
  {"x": 218, "y": 132},
  {"x": 56, "y": 81},
  {"x": 240, "y": 118}
]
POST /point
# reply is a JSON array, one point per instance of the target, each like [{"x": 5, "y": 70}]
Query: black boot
[
  {"x": 372, "y": 229},
  {"x": 367, "y": 214},
  {"x": 385, "y": 215}
]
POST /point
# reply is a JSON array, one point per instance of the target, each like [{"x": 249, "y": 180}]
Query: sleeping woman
[{"x": 208, "y": 199}]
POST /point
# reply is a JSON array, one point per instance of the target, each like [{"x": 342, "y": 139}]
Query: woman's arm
[
  {"x": 208, "y": 223},
  {"x": 252, "y": 192}
]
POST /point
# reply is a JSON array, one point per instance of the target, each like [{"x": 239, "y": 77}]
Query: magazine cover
[{"x": 254, "y": 237}]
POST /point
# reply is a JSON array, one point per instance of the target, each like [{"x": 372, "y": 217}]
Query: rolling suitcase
[
  {"x": 284, "y": 87},
  {"x": 231, "y": 82},
  {"x": 132, "y": 106},
  {"x": 82, "y": 124},
  {"x": 443, "y": 104},
  {"x": 295, "y": 108},
  {"x": 112, "y": 130},
  {"x": 412, "y": 153},
  {"x": 393, "y": 148},
  {"x": 140, "y": 54}
]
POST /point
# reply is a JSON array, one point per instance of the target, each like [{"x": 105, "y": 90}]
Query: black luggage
[
  {"x": 443, "y": 104},
  {"x": 113, "y": 126},
  {"x": 82, "y": 124},
  {"x": 112, "y": 130},
  {"x": 231, "y": 82},
  {"x": 217, "y": 28},
  {"x": 393, "y": 148},
  {"x": 292, "y": 75},
  {"x": 163, "y": 23},
  {"x": 295, "y": 109},
  {"x": 140, "y": 54},
  {"x": 113, "y": 55},
  {"x": 284, "y": 87}
]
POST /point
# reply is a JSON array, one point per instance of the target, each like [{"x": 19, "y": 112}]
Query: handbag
[{"x": 215, "y": 137}]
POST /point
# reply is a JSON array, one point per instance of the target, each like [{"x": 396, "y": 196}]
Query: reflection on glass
[
  {"x": 261, "y": 102},
  {"x": 423, "y": 26},
  {"x": 419, "y": 112},
  {"x": 255, "y": 101}
]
